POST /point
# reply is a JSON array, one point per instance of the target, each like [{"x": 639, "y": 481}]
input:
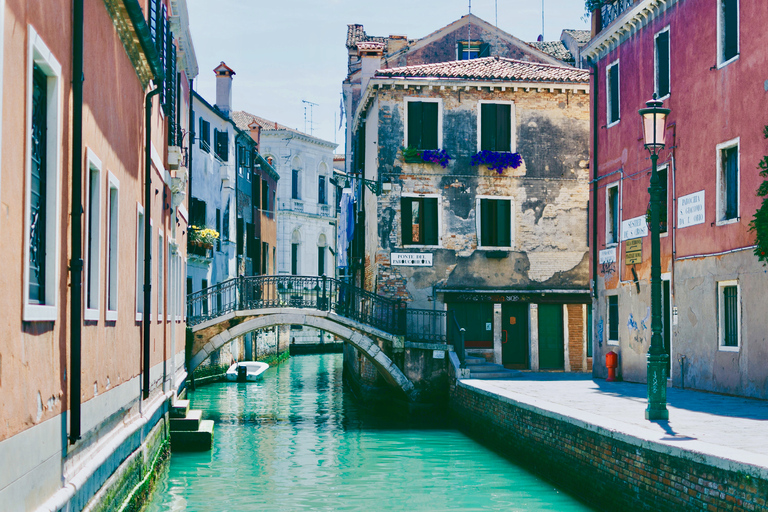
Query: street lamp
[{"x": 654, "y": 130}]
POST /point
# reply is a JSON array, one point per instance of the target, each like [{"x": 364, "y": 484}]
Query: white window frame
[
  {"x": 38, "y": 53},
  {"x": 160, "y": 274},
  {"x": 512, "y": 123},
  {"x": 113, "y": 250},
  {"x": 617, "y": 234},
  {"x": 608, "y": 102},
  {"x": 93, "y": 214},
  {"x": 721, "y": 316},
  {"x": 140, "y": 240},
  {"x": 169, "y": 278},
  {"x": 720, "y": 199},
  {"x": 656, "y": 63},
  {"x": 439, "y": 101},
  {"x": 478, "y": 221},
  {"x": 439, "y": 220},
  {"x": 720, "y": 46}
]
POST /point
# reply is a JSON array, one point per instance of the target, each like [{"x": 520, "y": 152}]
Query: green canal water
[{"x": 298, "y": 440}]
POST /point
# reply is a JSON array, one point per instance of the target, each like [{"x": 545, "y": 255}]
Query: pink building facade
[{"x": 706, "y": 60}]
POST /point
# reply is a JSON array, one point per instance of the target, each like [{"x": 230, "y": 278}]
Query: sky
[{"x": 286, "y": 51}]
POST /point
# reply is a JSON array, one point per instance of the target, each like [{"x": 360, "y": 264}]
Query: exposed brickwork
[
  {"x": 608, "y": 473},
  {"x": 390, "y": 283},
  {"x": 576, "y": 337}
]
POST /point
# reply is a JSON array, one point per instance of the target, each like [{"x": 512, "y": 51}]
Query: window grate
[
  {"x": 38, "y": 217},
  {"x": 730, "y": 316}
]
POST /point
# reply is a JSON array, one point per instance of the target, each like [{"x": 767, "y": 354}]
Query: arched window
[
  {"x": 321, "y": 248},
  {"x": 295, "y": 242}
]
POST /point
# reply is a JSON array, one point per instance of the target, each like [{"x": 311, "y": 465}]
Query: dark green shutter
[
  {"x": 730, "y": 29},
  {"x": 171, "y": 81},
  {"x": 488, "y": 127},
  {"x": 486, "y": 223},
  {"x": 613, "y": 77},
  {"x": 430, "y": 228},
  {"x": 662, "y": 59},
  {"x": 503, "y": 128},
  {"x": 429, "y": 126},
  {"x": 731, "y": 183},
  {"x": 485, "y": 50},
  {"x": 415, "y": 128},
  {"x": 460, "y": 52},
  {"x": 503, "y": 219},
  {"x": 406, "y": 218}
]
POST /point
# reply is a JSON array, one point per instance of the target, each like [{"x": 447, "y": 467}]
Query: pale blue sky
[{"x": 285, "y": 51}]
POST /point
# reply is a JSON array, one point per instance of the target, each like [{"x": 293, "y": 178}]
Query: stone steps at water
[
  {"x": 506, "y": 374},
  {"x": 190, "y": 422},
  {"x": 479, "y": 368},
  {"x": 179, "y": 409},
  {"x": 199, "y": 440}
]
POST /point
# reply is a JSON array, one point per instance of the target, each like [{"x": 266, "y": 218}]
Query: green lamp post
[{"x": 654, "y": 131}]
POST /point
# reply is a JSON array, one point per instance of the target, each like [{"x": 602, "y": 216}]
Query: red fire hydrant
[{"x": 611, "y": 362}]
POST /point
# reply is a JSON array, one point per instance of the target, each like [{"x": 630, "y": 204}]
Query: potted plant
[
  {"x": 497, "y": 160},
  {"x": 411, "y": 155}
]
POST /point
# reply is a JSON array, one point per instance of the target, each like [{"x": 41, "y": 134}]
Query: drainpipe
[
  {"x": 76, "y": 263},
  {"x": 595, "y": 131},
  {"x": 147, "y": 231},
  {"x": 191, "y": 140}
]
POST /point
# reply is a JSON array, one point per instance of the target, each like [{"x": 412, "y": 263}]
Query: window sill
[
  {"x": 494, "y": 248},
  {"x": 611, "y": 245},
  {"x": 725, "y": 222},
  {"x": 139, "y": 317},
  {"x": 721, "y": 65},
  {"x": 91, "y": 314},
  {"x": 613, "y": 343},
  {"x": 723, "y": 348},
  {"x": 663, "y": 98},
  {"x": 40, "y": 313},
  {"x": 111, "y": 316},
  {"x": 614, "y": 123},
  {"x": 417, "y": 246}
]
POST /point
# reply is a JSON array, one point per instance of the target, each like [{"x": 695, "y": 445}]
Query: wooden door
[
  {"x": 514, "y": 335},
  {"x": 551, "y": 348}
]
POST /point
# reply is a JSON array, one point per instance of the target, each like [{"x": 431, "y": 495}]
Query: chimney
[
  {"x": 255, "y": 129},
  {"x": 370, "y": 55},
  {"x": 224, "y": 88},
  {"x": 396, "y": 43}
]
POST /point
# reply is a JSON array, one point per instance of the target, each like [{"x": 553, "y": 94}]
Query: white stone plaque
[
  {"x": 690, "y": 210},
  {"x": 608, "y": 256},
  {"x": 411, "y": 259},
  {"x": 634, "y": 228},
  {"x": 438, "y": 354}
]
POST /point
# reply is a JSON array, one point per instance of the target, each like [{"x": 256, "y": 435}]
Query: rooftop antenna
[
  {"x": 542, "y": 18},
  {"x": 496, "y": 5},
  {"x": 311, "y": 123},
  {"x": 469, "y": 33}
]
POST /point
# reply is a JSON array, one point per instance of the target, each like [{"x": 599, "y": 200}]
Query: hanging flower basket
[
  {"x": 497, "y": 160},
  {"x": 412, "y": 155}
]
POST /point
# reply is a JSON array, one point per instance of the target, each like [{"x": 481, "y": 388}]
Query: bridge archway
[{"x": 211, "y": 336}]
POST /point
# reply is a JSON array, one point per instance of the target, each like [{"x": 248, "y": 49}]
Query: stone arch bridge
[{"x": 378, "y": 327}]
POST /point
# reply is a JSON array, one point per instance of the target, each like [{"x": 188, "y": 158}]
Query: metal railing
[
  {"x": 612, "y": 10},
  {"x": 426, "y": 325},
  {"x": 456, "y": 337}
]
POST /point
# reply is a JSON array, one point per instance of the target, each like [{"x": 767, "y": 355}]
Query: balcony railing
[{"x": 612, "y": 10}]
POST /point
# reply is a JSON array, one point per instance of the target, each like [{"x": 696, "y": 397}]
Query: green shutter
[
  {"x": 429, "y": 126},
  {"x": 662, "y": 58},
  {"x": 488, "y": 127},
  {"x": 503, "y": 128},
  {"x": 613, "y": 78},
  {"x": 503, "y": 227},
  {"x": 430, "y": 227},
  {"x": 415, "y": 126},
  {"x": 730, "y": 29},
  {"x": 405, "y": 220},
  {"x": 486, "y": 222},
  {"x": 485, "y": 50}
]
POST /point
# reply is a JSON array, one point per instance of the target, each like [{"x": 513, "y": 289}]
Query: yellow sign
[{"x": 633, "y": 251}]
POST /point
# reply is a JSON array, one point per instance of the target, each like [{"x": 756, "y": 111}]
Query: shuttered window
[
  {"x": 422, "y": 124},
  {"x": 320, "y": 261},
  {"x": 612, "y": 94},
  {"x": 495, "y": 222},
  {"x": 322, "y": 197},
  {"x": 730, "y": 316},
  {"x": 730, "y": 182},
  {"x": 662, "y": 64},
  {"x": 467, "y": 50},
  {"x": 205, "y": 135},
  {"x": 495, "y": 127},
  {"x": 613, "y": 318},
  {"x": 221, "y": 140},
  {"x": 419, "y": 220},
  {"x": 729, "y": 29}
]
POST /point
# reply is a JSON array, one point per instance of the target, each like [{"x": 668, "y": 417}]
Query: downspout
[
  {"x": 595, "y": 131},
  {"x": 76, "y": 262},
  {"x": 147, "y": 233},
  {"x": 191, "y": 138}
]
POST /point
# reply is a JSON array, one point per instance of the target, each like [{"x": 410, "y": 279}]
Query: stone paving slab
[{"x": 721, "y": 426}]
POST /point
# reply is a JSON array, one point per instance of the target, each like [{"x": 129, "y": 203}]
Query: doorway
[
  {"x": 514, "y": 335},
  {"x": 551, "y": 348}
]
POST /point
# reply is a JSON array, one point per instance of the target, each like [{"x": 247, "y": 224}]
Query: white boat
[{"x": 246, "y": 371}]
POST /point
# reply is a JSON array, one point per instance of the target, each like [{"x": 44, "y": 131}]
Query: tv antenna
[{"x": 311, "y": 124}]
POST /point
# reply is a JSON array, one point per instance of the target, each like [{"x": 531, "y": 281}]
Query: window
[
  {"x": 160, "y": 276},
  {"x": 466, "y": 50},
  {"x": 495, "y": 127},
  {"x": 92, "y": 238},
  {"x": 265, "y": 259},
  {"x": 612, "y": 214},
  {"x": 218, "y": 228},
  {"x": 197, "y": 213},
  {"x": 256, "y": 194},
  {"x": 662, "y": 63},
  {"x": 613, "y": 320},
  {"x": 423, "y": 122},
  {"x": 295, "y": 187},
  {"x": 612, "y": 93},
  {"x": 495, "y": 222},
  {"x": 171, "y": 282},
  {"x": 728, "y": 182},
  {"x": 321, "y": 194},
  {"x": 205, "y": 135},
  {"x": 240, "y": 229},
  {"x": 295, "y": 259},
  {"x": 221, "y": 140},
  {"x": 206, "y": 298},
  {"x": 113, "y": 239},
  {"x": 265, "y": 197},
  {"x": 251, "y": 244},
  {"x": 321, "y": 260},
  {"x": 43, "y": 170},
  {"x": 664, "y": 213},
  {"x": 728, "y": 31},
  {"x": 729, "y": 315},
  {"x": 419, "y": 220},
  {"x": 140, "y": 239}
]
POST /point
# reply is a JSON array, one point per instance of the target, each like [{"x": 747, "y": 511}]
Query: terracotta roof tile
[
  {"x": 554, "y": 48},
  {"x": 490, "y": 68},
  {"x": 244, "y": 119},
  {"x": 356, "y": 34},
  {"x": 581, "y": 36}
]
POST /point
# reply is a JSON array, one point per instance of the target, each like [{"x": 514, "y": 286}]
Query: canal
[{"x": 299, "y": 440}]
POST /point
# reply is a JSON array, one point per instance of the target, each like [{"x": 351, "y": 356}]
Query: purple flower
[{"x": 497, "y": 160}]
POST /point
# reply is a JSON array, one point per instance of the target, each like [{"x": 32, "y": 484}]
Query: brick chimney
[
  {"x": 224, "y": 87},
  {"x": 255, "y": 129},
  {"x": 370, "y": 56}
]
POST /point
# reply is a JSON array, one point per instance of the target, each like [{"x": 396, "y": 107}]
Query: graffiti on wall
[{"x": 599, "y": 333}]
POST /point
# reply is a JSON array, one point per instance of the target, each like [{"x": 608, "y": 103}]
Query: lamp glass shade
[{"x": 654, "y": 124}]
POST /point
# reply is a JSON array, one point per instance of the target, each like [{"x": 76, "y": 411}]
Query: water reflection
[{"x": 297, "y": 440}]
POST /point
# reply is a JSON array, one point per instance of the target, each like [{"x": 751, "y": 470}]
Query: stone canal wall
[{"x": 608, "y": 469}]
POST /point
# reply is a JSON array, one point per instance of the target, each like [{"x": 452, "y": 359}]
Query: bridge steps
[
  {"x": 189, "y": 431},
  {"x": 479, "y": 368}
]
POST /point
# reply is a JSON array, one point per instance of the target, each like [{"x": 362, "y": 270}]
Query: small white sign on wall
[
  {"x": 608, "y": 256},
  {"x": 634, "y": 228},
  {"x": 438, "y": 354},
  {"x": 411, "y": 259},
  {"x": 690, "y": 210}
]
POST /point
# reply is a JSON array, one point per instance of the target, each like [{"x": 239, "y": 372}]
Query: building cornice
[
  {"x": 624, "y": 27},
  {"x": 290, "y": 134},
  {"x": 128, "y": 19}
]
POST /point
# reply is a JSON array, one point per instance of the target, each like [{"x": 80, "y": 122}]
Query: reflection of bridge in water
[{"x": 379, "y": 327}]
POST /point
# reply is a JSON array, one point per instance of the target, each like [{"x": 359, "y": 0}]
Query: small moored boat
[{"x": 246, "y": 371}]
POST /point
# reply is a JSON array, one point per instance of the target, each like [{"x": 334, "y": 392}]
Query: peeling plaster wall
[{"x": 549, "y": 193}]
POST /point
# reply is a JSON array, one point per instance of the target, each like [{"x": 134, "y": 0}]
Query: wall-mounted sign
[
  {"x": 438, "y": 354},
  {"x": 634, "y": 228},
  {"x": 690, "y": 210},
  {"x": 633, "y": 251},
  {"x": 411, "y": 259},
  {"x": 608, "y": 256}
]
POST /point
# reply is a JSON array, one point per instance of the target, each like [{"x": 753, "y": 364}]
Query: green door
[
  {"x": 551, "y": 350},
  {"x": 514, "y": 335},
  {"x": 477, "y": 319}
]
